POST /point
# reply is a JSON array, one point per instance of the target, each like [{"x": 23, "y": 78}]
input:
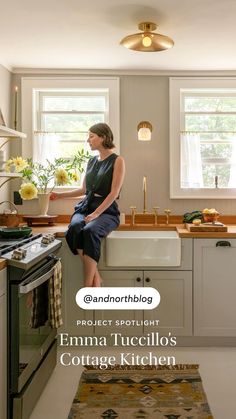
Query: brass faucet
[
  {"x": 167, "y": 212},
  {"x": 155, "y": 210},
  {"x": 133, "y": 208},
  {"x": 144, "y": 194},
  {"x": 133, "y": 212}
]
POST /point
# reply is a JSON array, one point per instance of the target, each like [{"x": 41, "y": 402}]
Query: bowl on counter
[{"x": 210, "y": 218}]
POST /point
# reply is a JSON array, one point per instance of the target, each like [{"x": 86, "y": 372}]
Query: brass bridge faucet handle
[
  {"x": 167, "y": 212},
  {"x": 155, "y": 209},
  {"x": 133, "y": 212}
]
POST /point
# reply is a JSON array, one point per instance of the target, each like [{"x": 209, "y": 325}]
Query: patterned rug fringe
[{"x": 143, "y": 367}]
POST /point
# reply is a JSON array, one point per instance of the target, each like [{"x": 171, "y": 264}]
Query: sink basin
[{"x": 143, "y": 248}]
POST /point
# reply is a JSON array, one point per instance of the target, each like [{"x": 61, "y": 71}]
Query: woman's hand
[
  {"x": 91, "y": 217},
  {"x": 54, "y": 196}
]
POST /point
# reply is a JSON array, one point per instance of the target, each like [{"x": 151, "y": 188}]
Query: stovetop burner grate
[{"x": 7, "y": 245}]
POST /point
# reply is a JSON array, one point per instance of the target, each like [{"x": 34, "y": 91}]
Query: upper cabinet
[{"x": 8, "y": 132}]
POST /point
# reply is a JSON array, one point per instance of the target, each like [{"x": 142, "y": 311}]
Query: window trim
[
  {"x": 29, "y": 86},
  {"x": 176, "y": 84}
]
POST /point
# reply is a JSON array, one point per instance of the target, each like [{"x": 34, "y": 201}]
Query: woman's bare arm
[{"x": 69, "y": 194}]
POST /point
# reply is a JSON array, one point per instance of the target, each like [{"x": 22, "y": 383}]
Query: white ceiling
[{"x": 75, "y": 34}]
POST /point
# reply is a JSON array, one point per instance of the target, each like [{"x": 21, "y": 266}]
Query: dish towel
[
  {"x": 37, "y": 302},
  {"x": 55, "y": 296}
]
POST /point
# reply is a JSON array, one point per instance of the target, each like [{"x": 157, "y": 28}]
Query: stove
[
  {"x": 33, "y": 249},
  {"x": 31, "y": 335}
]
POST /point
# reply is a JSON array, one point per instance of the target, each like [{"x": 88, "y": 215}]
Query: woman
[{"x": 97, "y": 214}]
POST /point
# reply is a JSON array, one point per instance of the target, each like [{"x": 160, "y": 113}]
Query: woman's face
[{"x": 95, "y": 142}]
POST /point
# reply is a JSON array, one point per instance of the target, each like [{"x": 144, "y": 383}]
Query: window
[
  {"x": 61, "y": 112},
  {"x": 203, "y": 138},
  {"x": 62, "y": 120}
]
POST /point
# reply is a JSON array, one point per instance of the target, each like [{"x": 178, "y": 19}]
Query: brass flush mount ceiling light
[{"x": 147, "y": 41}]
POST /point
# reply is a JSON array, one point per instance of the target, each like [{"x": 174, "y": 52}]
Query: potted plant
[{"x": 40, "y": 179}]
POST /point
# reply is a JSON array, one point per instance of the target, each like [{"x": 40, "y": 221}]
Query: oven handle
[{"x": 24, "y": 289}]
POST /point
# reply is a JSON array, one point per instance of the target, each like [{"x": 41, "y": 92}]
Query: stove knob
[
  {"x": 45, "y": 240},
  {"x": 19, "y": 254}
]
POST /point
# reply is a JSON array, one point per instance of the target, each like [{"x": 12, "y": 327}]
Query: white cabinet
[
  {"x": 3, "y": 343},
  {"x": 72, "y": 281},
  {"x": 175, "y": 286},
  {"x": 120, "y": 279},
  {"x": 214, "y": 287},
  {"x": 175, "y": 309}
]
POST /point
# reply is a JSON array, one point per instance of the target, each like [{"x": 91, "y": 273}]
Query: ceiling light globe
[{"x": 147, "y": 41}]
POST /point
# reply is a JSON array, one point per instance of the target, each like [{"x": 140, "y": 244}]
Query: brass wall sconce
[{"x": 144, "y": 131}]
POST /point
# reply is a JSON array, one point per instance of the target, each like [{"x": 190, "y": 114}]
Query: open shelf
[
  {"x": 8, "y": 132},
  {"x": 6, "y": 174}
]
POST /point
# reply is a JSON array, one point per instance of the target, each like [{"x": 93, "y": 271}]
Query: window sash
[
  {"x": 32, "y": 87},
  {"x": 185, "y": 87}
]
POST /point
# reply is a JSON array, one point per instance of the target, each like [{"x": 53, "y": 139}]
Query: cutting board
[{"x": 205, "y": 227}]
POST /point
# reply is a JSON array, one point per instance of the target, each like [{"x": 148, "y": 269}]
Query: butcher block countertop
[
  {"x": 60, "y": 229},
  {"x": 3, "y": 264},
  {"x": 184, "y": 233}
]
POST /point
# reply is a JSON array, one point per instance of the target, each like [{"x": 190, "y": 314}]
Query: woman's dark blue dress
[{"x": 88, "y": 237}]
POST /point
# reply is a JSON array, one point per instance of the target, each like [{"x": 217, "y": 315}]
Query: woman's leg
[
  {"x": 89, "y": 265},
  {"x": 93, "y": 233},
  {"x": 90, "y": 272}
]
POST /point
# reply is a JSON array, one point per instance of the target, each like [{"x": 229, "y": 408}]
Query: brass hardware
[
  {"x": 144, "y": 195},
  {"x": 133, "y": 212},
  {"x": 155, "y": 210},
  {"x": 147, "y": 40},
  {"x": 144, "y": 131},
  {"x": 167, "y": 212}
]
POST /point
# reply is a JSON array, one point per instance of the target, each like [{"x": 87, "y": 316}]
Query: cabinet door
[
  {"x": 120, "y": 279},
  {"x": 3, "y": 344},
  {"x": 175, "y": 309},
  {"x": 214, "y": 287},
  {"x": 72, "y": 280}
]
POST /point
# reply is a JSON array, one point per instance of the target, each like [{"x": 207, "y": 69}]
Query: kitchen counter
[
  {"x": 184, "y": 233},
  {"x": 3, "y": 264},
  {"x": 60, "y": 229}
]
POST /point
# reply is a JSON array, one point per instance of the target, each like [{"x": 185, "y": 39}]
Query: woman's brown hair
[{"x": 103, "y": 130}]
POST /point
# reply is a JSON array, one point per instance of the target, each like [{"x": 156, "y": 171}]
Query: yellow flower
[
  {"x": 19, "y": 163},
  {"x": 61, "y": 176},
  {"x": 28, "y": 191},
  {"x": 8, "y": 164},
  {"x": 75, "y": 176}
]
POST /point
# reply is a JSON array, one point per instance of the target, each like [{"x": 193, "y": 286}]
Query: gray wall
[{"x": 144, "y": 97}]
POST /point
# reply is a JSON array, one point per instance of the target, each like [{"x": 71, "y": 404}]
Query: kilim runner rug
[{"x": 172, "y": 392}]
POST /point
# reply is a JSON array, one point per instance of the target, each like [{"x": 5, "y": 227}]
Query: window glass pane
[
  {"x": 210, "y": 122},
  {"x": 209, "y": 104},
  {"x": 74, "y": 103},
  {"x": 220, "y": 151},
  {"x": 211, "y": 170},
  {"x": 69, "y": 144},
  {"x": 71, "y": 122}
]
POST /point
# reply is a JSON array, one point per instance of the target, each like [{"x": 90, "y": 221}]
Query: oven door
[{"x": 31, "y": 334}]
